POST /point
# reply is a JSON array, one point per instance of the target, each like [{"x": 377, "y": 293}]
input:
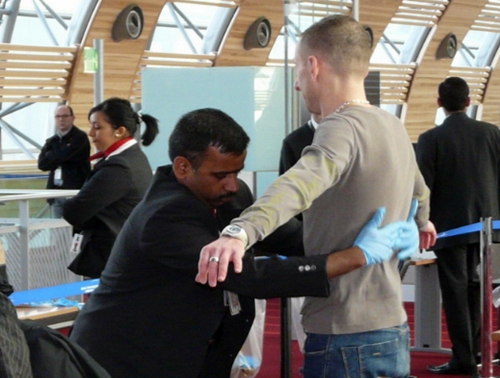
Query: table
[{"x": 54, "y": 317}]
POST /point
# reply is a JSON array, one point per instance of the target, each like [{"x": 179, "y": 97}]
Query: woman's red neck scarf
[{"x": 104, "y": 154}]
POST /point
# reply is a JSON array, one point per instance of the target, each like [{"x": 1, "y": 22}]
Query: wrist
[
  {"x": 237, "y": 232},
  {"x": 425, "y": 227},
  {"x": 368, "y": 257}
]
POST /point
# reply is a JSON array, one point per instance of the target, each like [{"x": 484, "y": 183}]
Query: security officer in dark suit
[
  {"x": 296, "y": 141},
  {"x": 66, "y": 156},
  {"x": 460, "y": 164},
  {"x": 148, "y": 317}
]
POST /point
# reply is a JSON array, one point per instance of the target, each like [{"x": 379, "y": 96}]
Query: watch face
[{"x": 233, "y": 229}]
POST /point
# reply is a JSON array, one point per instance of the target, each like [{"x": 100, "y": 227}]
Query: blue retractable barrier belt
[
  {"x": 467, "y": 229},
  {"x": 85, "y": 287}
]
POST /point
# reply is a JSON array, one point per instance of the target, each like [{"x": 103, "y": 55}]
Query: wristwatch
[{"x": 236, "y": 232}]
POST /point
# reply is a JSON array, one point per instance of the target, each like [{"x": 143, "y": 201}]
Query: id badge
[
  {"x": 58, "y": 177},
  {"x": 76, "y": 243},
  {"x": 233, "y": 301}
]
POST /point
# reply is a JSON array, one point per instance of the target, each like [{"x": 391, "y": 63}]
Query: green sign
[{"x": 90, "y": 62}]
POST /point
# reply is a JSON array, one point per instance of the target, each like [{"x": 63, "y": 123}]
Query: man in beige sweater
[{"x": 361, "y": 158}]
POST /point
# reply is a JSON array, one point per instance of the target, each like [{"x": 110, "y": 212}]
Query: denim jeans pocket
[
  {"x": 382, "y": 359},
  {"x": 374, "y": 354}
]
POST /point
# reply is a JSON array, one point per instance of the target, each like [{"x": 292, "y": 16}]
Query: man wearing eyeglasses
[{"x": 66, "y": 156}]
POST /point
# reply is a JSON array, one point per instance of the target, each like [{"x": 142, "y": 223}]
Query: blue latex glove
[
  {"x": 377, "y": 242},
  {"x": 409, "y": 239}
]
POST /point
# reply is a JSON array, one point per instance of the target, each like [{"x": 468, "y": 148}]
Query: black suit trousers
[{"x": 461, "y": 297}]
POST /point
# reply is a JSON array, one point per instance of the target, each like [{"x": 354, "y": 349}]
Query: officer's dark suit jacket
[
  {"x": 464, "y": 184},
  {"x": 293, "y": 144},
  {"x": 115, "y": 186},
  {"x": 149, "y": 318}
]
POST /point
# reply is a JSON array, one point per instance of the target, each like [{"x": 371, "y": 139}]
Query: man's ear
[
  {"x": 182, "y": 167},
  {"x": 439, "y": 102},
  {"x": 467, "y": 103},
  {"x": 313, "y": 66}
]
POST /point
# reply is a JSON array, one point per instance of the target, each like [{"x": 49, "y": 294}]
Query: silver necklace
[{"x": 350, "y": 102}]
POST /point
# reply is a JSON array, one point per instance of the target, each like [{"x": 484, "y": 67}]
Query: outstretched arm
[{"x": 374, "y": 244}]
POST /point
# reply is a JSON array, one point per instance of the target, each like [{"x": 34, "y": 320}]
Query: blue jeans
[{"x": 380, "y": 353}]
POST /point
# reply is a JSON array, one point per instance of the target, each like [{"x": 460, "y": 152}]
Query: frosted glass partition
[
  {"x": 253, "y": 96},
  {"x": 264, "y": 179}
]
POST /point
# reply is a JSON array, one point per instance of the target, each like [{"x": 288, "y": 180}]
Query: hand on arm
[
  {"x": 412, "y": 238},
  {"x": 408, "y": 241},
  {"x": 377, "y": 242},
  {"x": 227, "y": 250}
]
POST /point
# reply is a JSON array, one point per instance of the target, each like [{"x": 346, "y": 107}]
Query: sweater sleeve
[{"x": 318, "y": 169}]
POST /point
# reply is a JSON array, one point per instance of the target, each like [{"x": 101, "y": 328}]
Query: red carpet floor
[{"x": 270, "y": 367}]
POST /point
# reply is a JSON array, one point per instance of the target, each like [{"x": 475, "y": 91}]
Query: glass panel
[
  {"x": 36, "y": 120},
  {"x": 441, "y": 115},
  {"x": 253, "y": 96},
  {"x": 30, "y": 29},
  {"x": 264, "y": 179},
  {"x": 279, "y": 48},
  {"x": 60, "y": 6},
  {"x": 400, "y": 44},
  {"x": 168, "y": 37},
  {"x": 477, "y": 49}
]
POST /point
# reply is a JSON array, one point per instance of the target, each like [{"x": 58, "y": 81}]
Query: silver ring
[{"x": 214, "y": 259}]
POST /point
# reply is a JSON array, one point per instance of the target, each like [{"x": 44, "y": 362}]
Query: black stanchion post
[
  {"x": 286, "y": 340},
  {"x": 486, "y": 299}
]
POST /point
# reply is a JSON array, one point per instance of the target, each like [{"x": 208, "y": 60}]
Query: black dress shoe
[
  {"x": 447, "y": 369},
  {"x": 477, "y": 357}
]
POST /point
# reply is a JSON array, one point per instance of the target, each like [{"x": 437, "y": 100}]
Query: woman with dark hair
[{"x": 118, "y": 181}]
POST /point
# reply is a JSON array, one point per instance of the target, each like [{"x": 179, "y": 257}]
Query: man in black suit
[
  {"x": 294, "y": 143},
  {"x": 291, "y": 150},
  {"x": 148, "y": 317},
  {"x": 66, "y": 156},
  {"x": 460, "y": 164}
]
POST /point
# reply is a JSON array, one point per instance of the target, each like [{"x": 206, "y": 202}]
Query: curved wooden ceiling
[{"x": 418, "y": 82}]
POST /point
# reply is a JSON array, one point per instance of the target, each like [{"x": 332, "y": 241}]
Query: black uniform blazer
[
  {"x": 71, "y": 153},
  {"x": 115, "y": 186},
  {"x": 149, "y": 318},
  {"x": 460, "y": 164},
  {"x": 293, "y": 144}
]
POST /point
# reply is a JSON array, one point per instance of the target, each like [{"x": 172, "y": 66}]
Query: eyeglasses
[{"x": 64, "y": 116}]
